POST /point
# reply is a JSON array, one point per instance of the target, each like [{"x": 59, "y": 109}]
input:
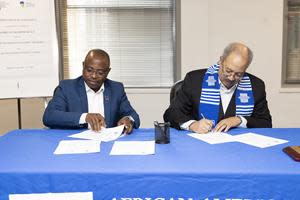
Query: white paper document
[
  {"x": 53, "y": 196},
  {"x": 213, "y": 137},
  {"x": 133, "y": 148},
  {"x": 77, "y": 146},
  {"x": 258, "y": 140},
  {"x": 105, "y": 135}
]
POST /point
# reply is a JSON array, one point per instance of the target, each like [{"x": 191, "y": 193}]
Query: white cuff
[
  {"x": 131, "y": 118},
  {"x": 243, "y": 124},
  {"x": 186, "y": 125},
  {"x": 82, "y": 118}
]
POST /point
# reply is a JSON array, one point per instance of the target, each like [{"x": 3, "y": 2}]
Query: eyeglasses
[
  {"x": 98, "y": 72},
  {"x": 228, "y": 73}
]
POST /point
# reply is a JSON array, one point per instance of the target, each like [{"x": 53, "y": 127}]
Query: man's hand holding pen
[
  {"x": 201, "y": 126},
  {"x": 204, "y": 125}
]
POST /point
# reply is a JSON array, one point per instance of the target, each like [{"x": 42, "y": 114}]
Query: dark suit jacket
[
  {"x": 70, "y": 101},
  {"x": 184, "y": 106}
]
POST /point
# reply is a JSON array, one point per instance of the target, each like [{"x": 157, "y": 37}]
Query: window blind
[
  {"x": 293, "y": 43},
  {"x": 138, "y": 35}
]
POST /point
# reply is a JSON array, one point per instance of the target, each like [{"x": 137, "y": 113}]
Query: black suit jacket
[{"x": 184, "y": 106}]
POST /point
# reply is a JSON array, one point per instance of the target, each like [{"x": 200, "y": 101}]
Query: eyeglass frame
[
  {"x": 98, "y": 72},
  {"x": 236, "y": 75}
]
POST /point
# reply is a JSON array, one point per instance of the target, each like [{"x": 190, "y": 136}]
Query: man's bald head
[
  {"x": 238, "y": 49},
  {"x": 96, "y": 54}
]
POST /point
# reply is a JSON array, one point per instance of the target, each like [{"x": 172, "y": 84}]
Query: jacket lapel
[
  {"x": 82, "y": 96},
  {"x": 197, "y": 87},
  {"x": 107, "y": 103}
]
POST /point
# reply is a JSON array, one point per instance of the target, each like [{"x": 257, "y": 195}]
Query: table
[{"x": 185, "y": 169}]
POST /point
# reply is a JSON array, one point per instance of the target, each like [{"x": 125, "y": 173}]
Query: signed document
[
  {"x": 257, "y": 140},
  {"x": 77, "y": 146},
  {"x": 252, "y": 139},
  {"x": 133, "y": 148}
]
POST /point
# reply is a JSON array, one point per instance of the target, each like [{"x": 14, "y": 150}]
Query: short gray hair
[{"x": 235, "y": 47}]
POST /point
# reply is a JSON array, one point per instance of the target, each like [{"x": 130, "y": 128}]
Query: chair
[{"x": 174, "y": 89}]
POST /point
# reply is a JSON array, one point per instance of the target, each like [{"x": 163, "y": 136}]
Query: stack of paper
[
  {"x": 105, "y": 135},
  {"x": 92, "y": 141}
]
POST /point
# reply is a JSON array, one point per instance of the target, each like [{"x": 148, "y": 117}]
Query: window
[
  {"x": 291, "y": 70},
  {"x": 138, "y": 35}
]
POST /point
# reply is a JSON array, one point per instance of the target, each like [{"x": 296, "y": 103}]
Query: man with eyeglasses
[
  {"x": 221, "y": 97},
  {"x": 91, "y": 100}
]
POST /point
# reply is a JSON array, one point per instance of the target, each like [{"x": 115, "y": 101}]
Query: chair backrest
[{"x": 174, "y": 89}]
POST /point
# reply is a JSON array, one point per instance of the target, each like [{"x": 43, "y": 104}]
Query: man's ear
[
  {"x": 221, "y": 60},
  {"x": 83, "y": 64},
  {"x": 108, "y": 70}
]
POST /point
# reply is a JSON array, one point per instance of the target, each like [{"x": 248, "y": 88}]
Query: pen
[{"x": 205, "y": 118}]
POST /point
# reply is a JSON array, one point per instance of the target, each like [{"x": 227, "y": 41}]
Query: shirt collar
[{"x": 88, "y": 89}]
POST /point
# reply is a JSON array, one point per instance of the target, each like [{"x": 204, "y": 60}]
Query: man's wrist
[
  {"x": 186, "y": 125},
  {"x": 130, "y": 119},
  {"x": 243, "y": 123},
  {"x": 82, "y": 118},
  {"x": 239, "y": 118}
]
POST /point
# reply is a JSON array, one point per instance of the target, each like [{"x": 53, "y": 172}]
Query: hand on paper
[
  {"x": 225, "y": 124},
  {"x": 95, "y": 120},
  {"x": 201, "y": 126},
  {"x": 127, "y": 123}
]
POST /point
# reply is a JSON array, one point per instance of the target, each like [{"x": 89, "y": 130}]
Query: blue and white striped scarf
[{"x": 210, "y": 96}]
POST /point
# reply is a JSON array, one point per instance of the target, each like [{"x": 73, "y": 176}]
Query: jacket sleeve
[
  {"x": 126, "y": 109},
  {"x": 57, "y": 114},
  {"x": 260, "y": 117},
  {"x": 180, "y": 109}
]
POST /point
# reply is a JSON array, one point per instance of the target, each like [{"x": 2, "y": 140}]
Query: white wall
[{"x": 150, "y": 104}]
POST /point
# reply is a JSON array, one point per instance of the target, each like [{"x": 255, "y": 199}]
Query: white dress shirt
[
  {"x": 95, "y": 102},
  {"x": 226, "y": 95}
]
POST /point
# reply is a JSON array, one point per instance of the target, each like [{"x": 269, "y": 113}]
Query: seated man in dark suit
[
  {"x": 221, "y": 97},
  {"x": 91, "y": 99}
]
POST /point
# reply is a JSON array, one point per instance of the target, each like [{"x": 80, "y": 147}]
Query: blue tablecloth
[{"x": 186, "y": 168}]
